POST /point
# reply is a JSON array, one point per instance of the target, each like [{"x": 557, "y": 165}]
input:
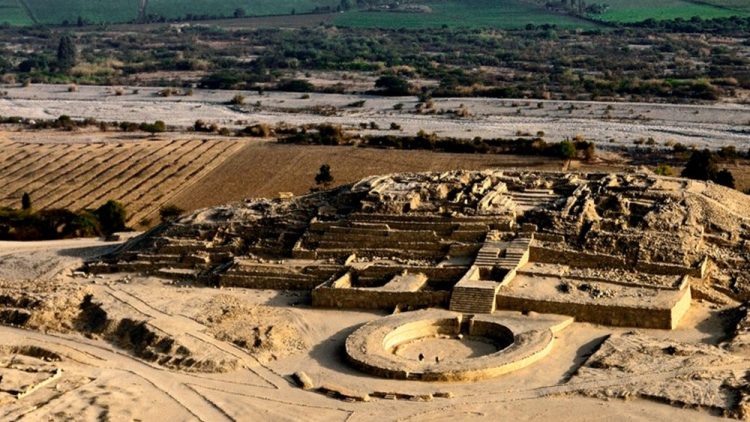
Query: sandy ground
[
  {"x": 606, "y": 123},
  {"x": 102, "y": 381}
]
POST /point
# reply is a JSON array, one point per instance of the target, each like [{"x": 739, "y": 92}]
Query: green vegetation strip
[
  {"x": 628, "y": 11},
  {"x": 506, "y": 14},
  {"x": 13, "y": 13}
]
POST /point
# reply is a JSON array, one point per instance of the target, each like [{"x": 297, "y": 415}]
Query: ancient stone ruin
[{"x": 613, "y": 249}]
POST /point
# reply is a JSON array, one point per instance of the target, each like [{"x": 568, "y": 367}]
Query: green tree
[
  {"x": 239, "y": 12},
  {"x": 393, "y": 85},
  {"x": 725, "y": 178},
  {"x": 112, "y": 217},
  {"x": 66, "y": 53},
  {"x": 152, "y": 128},
  {"x": 567, "y": 150},
  {"x": 324, "y": 176},
  {"x": 701, "y": 166},
  {"x": 26, "y": 202}
]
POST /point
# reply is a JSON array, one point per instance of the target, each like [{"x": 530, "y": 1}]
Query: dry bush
[{"x": 8, "y": 79}]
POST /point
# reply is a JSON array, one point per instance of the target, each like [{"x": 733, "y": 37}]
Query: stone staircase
[
  {"x": 516, "y": 254},
  {"x": 505, "y": 255},
  {"x": 530, "y": 199},
  {"x": 474, "y": 297}
]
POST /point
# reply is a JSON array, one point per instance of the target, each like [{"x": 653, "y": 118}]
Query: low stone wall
[
  {"x": 521, "y": 341},
  {"x": 280, "y": 282},
  {"x": 621, "y": 316},
  {"x": 582, "y": 259},
  {"x": 362, "y": 298}
]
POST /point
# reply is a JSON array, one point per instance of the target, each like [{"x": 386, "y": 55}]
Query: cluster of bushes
[
  {"x": 542, "y": 61},
  {"x": 523, "y": 146},
  {"x": 696, "y": 24},
  {"x": 65, "y": 122},
  {"x": 323, "y": 134},
  {"x": 328, "y": 134},
  {"x": 703, "y": 165},
  {"x": 25, "y": 224}
]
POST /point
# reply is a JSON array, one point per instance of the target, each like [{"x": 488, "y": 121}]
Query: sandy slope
[{"x": 102, "y": 381}]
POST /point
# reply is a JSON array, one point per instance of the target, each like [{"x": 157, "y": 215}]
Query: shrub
[
  {"x": 393, "y": 85},
  {"x": 701, "y": 166},
  {"x": 225, "y": 79},
  {"x": 678, "y": 147},
  {"x": 26, "y": 202},
  {"x": 112, "y": 217},
  {"x": 725, "y": 178},
  {"x": 567, "y": 150},
  {"x": 664, "y": 170},
  {"x": 260, "y": 130},
  {"x": 295, "y": 85},
  {"x": 324, "y": 176},
  {"x": 237, "y": 100},
  {"x": 152, "y": 128},
  {"x": 169, "y": 213},
  {"x": 200, "y": 126},
  {"x": 728, "y": 152}
]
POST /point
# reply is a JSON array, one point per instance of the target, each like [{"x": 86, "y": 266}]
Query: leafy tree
[
  {"x": 224, "y": 79},
  {"x": 296, "y": 85},
  {"x": 725, "y": 178},
  {"x": 701, "y": 166},
  {"x": 324, "y": 176},
  {"x": 347, "y": 4},
  {"x": 66, "y": 53},
  {"x": 152, "y": 128},
  {"x": 26, "y": 202},
  {"x": 239, "y": 12},
  {"x": 567, "y": 150},
  {"x": 393, "y": 85},
  {"x": 111, "y": 216}
]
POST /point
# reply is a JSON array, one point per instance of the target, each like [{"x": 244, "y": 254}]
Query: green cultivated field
[
  {"x": 639, "y": 10},
  {"x": 12, "y": 13},
  {"x": 180, "y": 8},
  {"x": 453, "y": 13},
  {"x": 741, "y": 5},
  {"x": 58, "y": 11},
  {"x": 463, "y": 13},
  {"x": 100, "y": 11}
]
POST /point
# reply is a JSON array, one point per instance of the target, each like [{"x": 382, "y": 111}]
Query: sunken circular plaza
[{"x": 438, "y": 345}]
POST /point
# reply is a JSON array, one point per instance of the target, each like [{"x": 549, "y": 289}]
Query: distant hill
[{"x": 374, "y": 13}]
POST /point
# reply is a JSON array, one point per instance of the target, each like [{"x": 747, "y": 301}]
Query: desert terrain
[
  {"x": 100, "y": 380},
  {"x": 144, "y": 342},
  {"x": 374, "y": 210},
  {"x": 609, "y": 124}
]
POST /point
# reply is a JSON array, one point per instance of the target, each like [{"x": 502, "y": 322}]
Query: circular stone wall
[{"x": 438, "y": 345}]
